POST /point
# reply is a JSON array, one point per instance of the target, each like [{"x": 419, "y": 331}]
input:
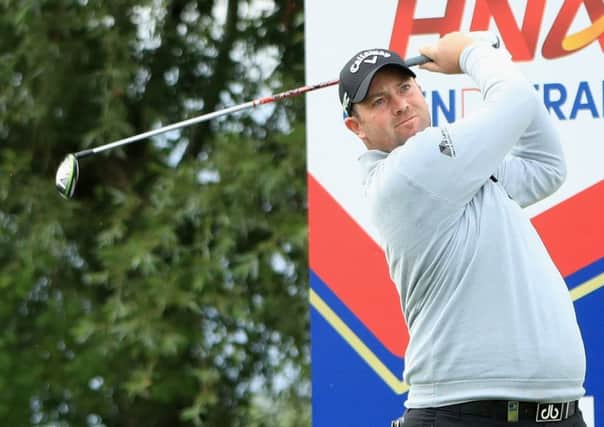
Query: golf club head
[{"x": 67, "y": 176}]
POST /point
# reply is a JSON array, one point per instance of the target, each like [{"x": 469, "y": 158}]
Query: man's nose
[{"x": 400, "y": 104}]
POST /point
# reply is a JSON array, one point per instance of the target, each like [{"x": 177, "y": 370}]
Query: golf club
[{"x": 68, "y": 171}]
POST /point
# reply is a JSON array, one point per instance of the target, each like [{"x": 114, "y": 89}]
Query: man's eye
[
  {"x": 377, "y": 102},
  {"x": 405, "y": 87}
]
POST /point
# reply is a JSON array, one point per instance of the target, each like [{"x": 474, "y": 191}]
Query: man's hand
[{"x": 445, "y": 53}]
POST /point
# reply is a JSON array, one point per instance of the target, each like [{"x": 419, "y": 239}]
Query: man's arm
[
  {"x": 453, "y": 162},
  {"x": 535, "y": 167}
]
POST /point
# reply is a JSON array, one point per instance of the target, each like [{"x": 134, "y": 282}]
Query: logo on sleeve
[{"x": 446, "y": 145}]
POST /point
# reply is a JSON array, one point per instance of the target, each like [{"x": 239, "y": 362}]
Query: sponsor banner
[{"x": 357, "y": 330}]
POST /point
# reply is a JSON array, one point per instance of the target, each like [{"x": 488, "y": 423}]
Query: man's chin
[
  {"x": 409, "y": 133},
  {"x": 413, "y": 129}
]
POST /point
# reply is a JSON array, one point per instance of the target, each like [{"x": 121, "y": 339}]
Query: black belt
[{"x": 513, "y": 411}]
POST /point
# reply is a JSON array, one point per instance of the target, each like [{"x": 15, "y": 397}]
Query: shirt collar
[{"x": 370, "y": 158}]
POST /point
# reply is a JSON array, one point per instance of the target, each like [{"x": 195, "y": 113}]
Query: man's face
[{"x": 393, "y": 111}]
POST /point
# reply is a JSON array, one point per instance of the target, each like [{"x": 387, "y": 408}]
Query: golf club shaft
[
  {"x": 205, "y": 117},
  {"x": 410, "y": 62}
]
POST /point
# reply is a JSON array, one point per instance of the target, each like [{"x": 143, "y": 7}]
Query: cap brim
[{"x": 364, "y": 86}]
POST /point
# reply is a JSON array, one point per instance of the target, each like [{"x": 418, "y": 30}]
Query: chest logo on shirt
[{"x": 446, "y": 145}]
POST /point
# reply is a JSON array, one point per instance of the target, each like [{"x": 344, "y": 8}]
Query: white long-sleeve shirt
[{"x": 489, "y": 314}]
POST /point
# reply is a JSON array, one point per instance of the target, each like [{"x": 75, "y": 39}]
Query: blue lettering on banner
[
  {"x": 589, "y": 103},
  {"x": 439, "y": 105},
  {"x": 554, "y": 96},
  {"x": 564, "y": 102}
]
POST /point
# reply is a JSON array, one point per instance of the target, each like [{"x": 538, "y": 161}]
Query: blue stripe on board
[
  {"x": 591, "y": 323},
  {"x": 391, "y": 361},
  {"x": 346, "y": 391},
  {"x": 586, "y": 273}
]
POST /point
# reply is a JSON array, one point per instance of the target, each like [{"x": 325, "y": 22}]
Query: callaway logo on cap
[
  {"x": 368, "y": 57},
  {"x": 357, "y": 74}
]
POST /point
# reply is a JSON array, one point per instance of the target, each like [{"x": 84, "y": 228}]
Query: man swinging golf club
[{"x": 493, "y": 333}]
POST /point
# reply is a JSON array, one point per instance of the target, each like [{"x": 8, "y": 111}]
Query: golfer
[{"x": 493, "y": 333}]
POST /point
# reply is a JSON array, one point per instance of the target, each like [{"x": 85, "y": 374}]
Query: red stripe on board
[
  {"x": 573, "y": 230},
  {"x": 354, "y": 268}
]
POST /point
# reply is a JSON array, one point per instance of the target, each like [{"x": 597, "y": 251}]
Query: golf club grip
[{"x": 417, "y": 60}]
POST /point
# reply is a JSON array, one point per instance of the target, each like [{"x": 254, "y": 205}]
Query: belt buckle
[{"x": 550, "y": 412}]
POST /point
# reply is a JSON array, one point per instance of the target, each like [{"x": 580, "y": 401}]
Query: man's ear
[{"x": 352, "y": 123}]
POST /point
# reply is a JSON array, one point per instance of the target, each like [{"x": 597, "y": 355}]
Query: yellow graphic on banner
[
  {"x": 587, "y": 287},
  {"x": 398, "y": 386},
  {"x": 584, "y": 37}
]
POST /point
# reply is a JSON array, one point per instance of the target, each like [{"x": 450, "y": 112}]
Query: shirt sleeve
[
  {"x": 453, "y": 162},
  {"x": 535, "y": 167}
]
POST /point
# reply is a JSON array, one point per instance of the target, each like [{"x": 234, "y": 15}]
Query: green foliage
[{"x": 172, "y": 291}]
